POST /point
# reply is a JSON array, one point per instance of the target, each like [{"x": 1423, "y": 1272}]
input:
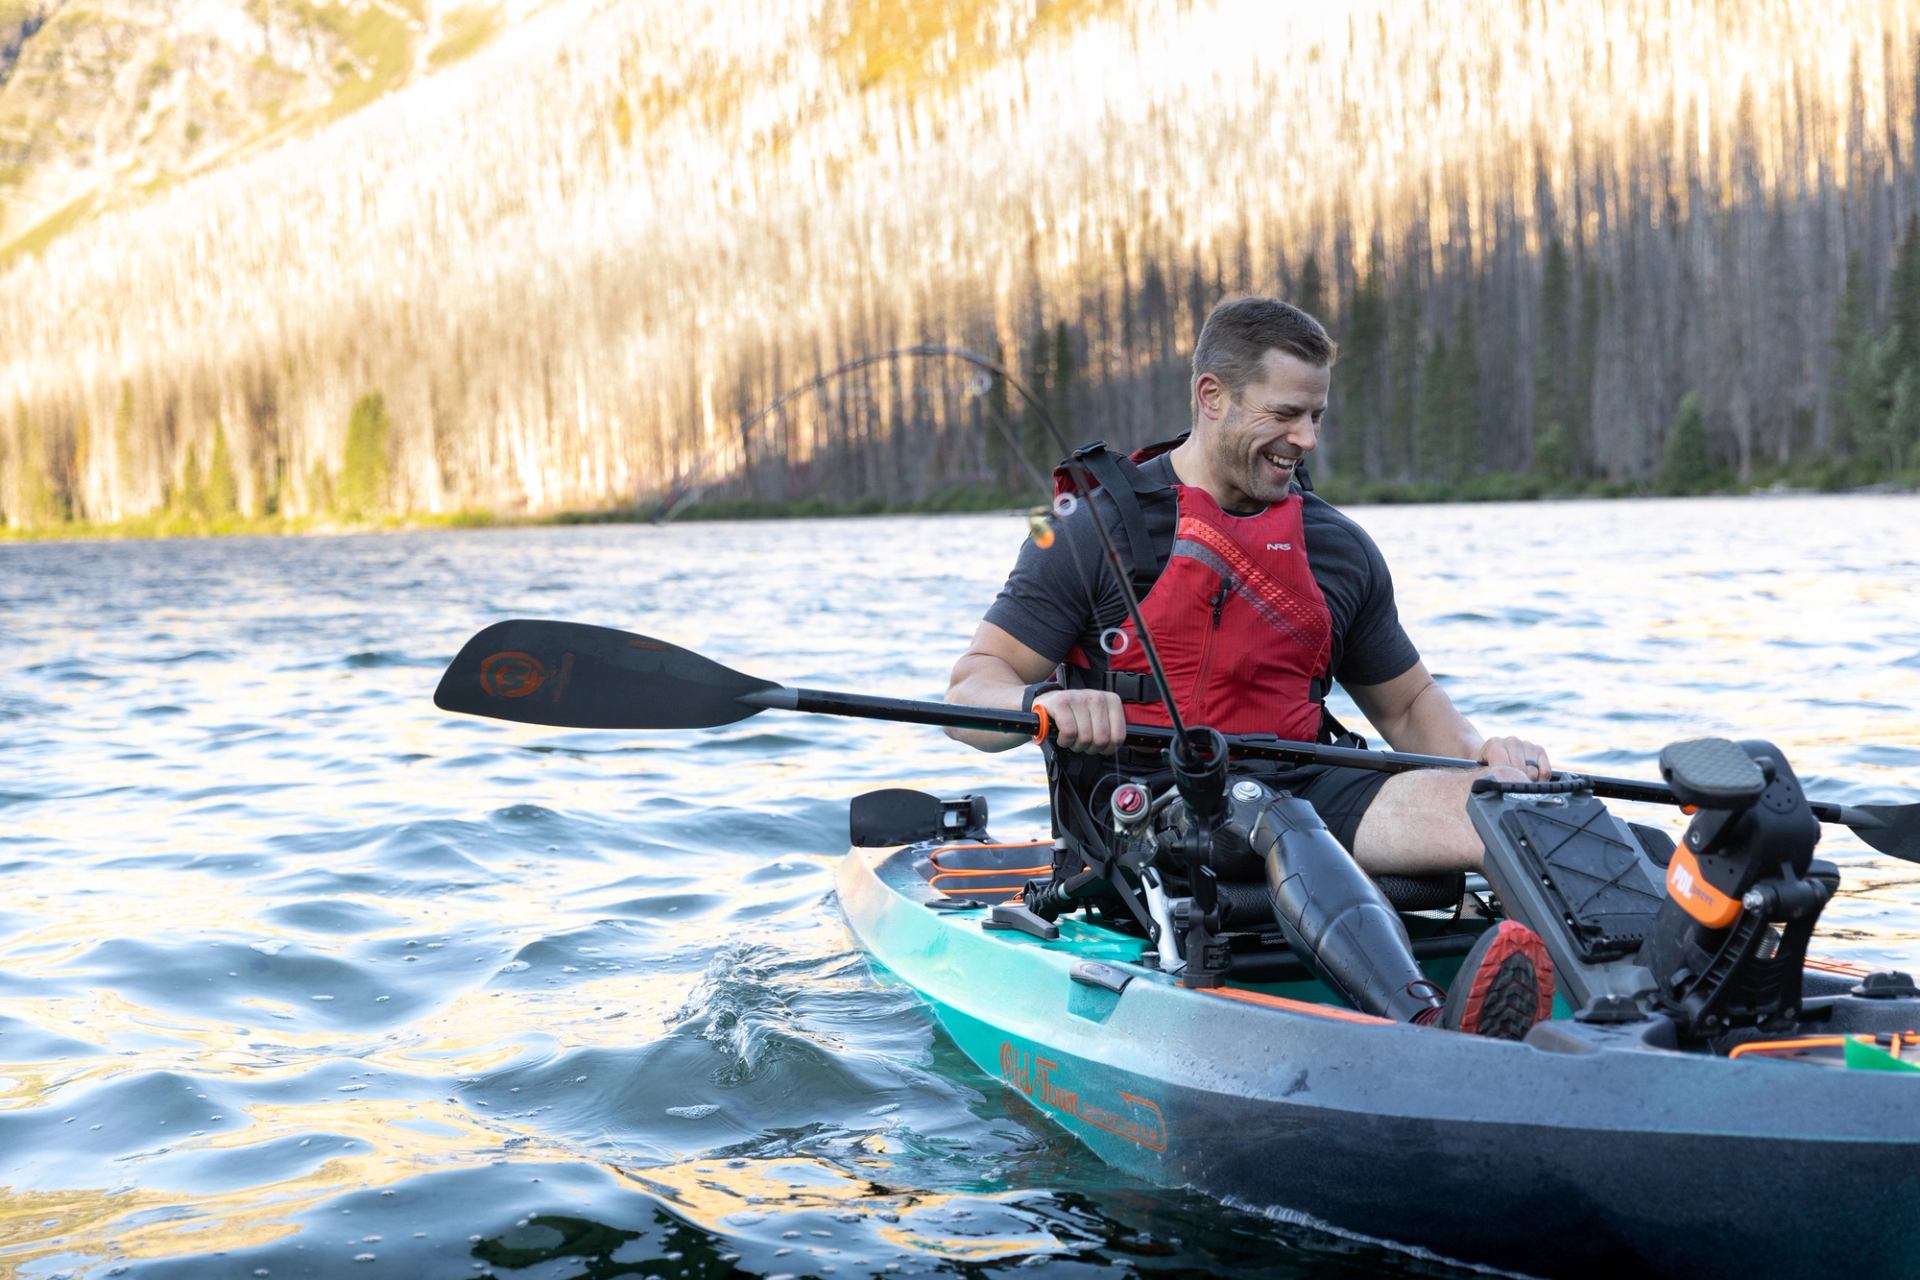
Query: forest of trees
[{"x": 1655, "y": 246}]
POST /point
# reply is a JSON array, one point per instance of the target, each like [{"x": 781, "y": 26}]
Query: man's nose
[{"x": 1304, "y": 434}]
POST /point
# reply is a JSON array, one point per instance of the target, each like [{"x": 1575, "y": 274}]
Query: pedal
[{"x": 1712, "y": 773}]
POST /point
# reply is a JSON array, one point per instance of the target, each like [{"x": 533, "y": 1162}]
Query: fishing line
[{"x": 1039, "y": 522}]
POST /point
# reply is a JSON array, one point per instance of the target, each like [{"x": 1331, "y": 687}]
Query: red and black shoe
[{"x": 1505, "y": 985}]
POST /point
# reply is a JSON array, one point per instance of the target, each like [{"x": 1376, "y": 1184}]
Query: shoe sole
[{"x": 1512, "y": 985}]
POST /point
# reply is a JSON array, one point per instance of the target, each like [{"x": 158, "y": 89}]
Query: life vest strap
[
  {"x": 1132, "y": 686},
  {"x": 1122, "y": 480}
]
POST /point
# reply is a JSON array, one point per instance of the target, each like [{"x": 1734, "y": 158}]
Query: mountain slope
[
  {"x": 559, "y": 274},
  {"x": 104, "y": 101}
]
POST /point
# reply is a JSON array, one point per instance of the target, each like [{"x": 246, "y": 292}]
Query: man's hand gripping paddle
[{"x": 572, "y": 675}]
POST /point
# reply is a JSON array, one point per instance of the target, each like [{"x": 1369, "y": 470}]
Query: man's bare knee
[{"x": 1418, "y": 822}]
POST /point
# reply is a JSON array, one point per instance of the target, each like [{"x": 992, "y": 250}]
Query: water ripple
[{"x": 302, "y": 976}]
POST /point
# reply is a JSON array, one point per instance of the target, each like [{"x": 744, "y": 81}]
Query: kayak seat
[
  {"x": 994, "y": 872},
  {"x": 972, "y": 874},
  {"x": 1249, "y": 905},
  {"x": 1440, "y": 892}
]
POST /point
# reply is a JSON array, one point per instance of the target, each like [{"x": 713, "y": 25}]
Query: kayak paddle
[{"x": 573, "y": 675}]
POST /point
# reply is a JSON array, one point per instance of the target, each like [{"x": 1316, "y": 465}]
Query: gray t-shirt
[{"x": 1067, "y": 594}]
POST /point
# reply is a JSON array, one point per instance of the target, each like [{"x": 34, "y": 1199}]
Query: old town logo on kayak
[
  {"x": 512, "y": 675},
  {"x": 1136, "y": 1119}
]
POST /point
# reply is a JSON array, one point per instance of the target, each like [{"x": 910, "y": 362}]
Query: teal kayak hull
[{"x": 1584, "y": 1146}]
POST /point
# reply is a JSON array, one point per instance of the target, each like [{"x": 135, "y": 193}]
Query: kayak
[
  {"x": 1591, "y": 1143},
  {"x": 1708, "y": 1099}
]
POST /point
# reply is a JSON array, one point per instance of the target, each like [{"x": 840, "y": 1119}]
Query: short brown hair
[{"x": 1240, "y": 331}]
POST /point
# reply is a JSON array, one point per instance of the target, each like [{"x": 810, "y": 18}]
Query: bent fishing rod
[{"x": 1191, "y": 747}]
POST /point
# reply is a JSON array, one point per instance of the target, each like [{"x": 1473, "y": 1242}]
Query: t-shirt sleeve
[
  {"x": 1377, "y": 646},
  {"x": 1047, "y": 601}
]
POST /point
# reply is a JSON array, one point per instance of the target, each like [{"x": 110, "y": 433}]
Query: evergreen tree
[
  {"x": 1857, "y": 402},
  {"x": 1363, "y": 343},
  {"x": 1403, "y": 377},
  {"x": 1686, "y": 466},
  {"x": 123, "y": 441},
  {"x": 1551, "y": 350},
  {"x": 1903, "y": 422},
  {"x": 1553, "y": 459},
  {"x": 1900, "y": 358},
  {"x": 1433, "y": 451},
  {"x": 1036, "y": 446},
  {"x": 364, "y": 473},
  {"x": 1310, "y": 294},
  {"x": 1585, "y": 363},
  {"x": 190, "y": 499},
  {"x": 993, "y": 413},
  {"x": 222, "y": 491},
  {"x": 1060, "y": 389},
  {"x": 1469, "y": 424},
  {"x": 1903, "y": 298}
]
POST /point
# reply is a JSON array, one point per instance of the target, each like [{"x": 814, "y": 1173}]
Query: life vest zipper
[{"x": 1219, "y": 602}]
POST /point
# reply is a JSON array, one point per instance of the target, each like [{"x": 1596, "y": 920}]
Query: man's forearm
[
  {"x": 980, "y": 680},
  {"x": 1432, "y": 725}
]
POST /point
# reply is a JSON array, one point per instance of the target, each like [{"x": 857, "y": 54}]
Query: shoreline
[{"x": 1486, "y": 489}]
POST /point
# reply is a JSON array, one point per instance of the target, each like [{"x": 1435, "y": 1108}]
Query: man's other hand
[
  {"x": 1517, "y": 753},
  {"x": 1093, "y": 721}
]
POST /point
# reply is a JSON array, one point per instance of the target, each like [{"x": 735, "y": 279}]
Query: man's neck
[{"x": 1190, "y": 468}]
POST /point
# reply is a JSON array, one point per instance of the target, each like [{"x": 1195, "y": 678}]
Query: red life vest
[{"x": 1242, "y": 629}]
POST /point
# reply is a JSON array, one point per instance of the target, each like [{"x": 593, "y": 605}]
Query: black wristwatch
[{"x": 1035, "y": 690}]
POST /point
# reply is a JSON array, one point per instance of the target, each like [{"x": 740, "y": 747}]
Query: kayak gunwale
[{"x": 1364, "y": 1099}]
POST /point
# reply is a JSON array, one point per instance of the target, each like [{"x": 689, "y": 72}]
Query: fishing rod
[{"x": 1192, "y": 748}]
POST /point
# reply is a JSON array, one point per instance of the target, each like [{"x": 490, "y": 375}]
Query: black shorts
[{"x": 1340, "y": 794}]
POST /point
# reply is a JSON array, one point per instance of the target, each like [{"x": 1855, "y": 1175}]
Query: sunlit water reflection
[{"x": 299, "y": 976}]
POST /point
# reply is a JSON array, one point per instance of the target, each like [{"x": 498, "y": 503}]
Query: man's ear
[{"x": 1210, "y": 394}]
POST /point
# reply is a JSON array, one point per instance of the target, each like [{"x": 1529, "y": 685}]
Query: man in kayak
[{"x": 1257, "y": 594}]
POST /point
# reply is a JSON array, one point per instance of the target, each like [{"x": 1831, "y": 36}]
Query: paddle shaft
[
  {"x": 1152, "y": 737},
  {"x": 570, "y": 674}
]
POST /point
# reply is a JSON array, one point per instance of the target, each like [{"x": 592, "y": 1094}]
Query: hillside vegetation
[
  {"x": 103, "y": 102},
  {"x": 1659, "y": 241}
]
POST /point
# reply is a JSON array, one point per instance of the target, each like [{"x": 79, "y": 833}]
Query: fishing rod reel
[
  {"x": 1163, "y": 840},
  {"x": 1198, "y": 759},
  {"x": 1183, "y": 858}
]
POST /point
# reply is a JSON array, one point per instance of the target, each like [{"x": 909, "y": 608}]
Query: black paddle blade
[
  {"x": 583, "y": 677},
  {"x": 1893, "y": 829},
  {"x": 894, "y": 816}
]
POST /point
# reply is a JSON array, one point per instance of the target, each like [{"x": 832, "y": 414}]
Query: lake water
[{"x": 300, "y": 976}]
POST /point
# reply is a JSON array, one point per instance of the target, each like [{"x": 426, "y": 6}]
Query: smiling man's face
[{"x": 1265, "y": 430}]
